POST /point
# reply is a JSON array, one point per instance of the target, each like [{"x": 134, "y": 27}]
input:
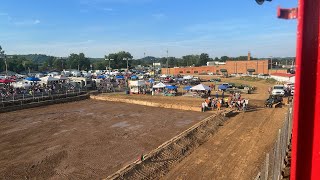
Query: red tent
[{"x": 5, "y": 81}]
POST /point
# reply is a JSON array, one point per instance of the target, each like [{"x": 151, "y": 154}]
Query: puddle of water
[
  {"x": 122, "y": 124},
  {"x": 184, "y": 122}
]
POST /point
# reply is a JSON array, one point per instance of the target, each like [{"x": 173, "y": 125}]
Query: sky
[{"x": 99, "y": 27}]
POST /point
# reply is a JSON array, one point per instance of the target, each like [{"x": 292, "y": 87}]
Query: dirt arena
[
  {"x": 236, "y": 151},
  {"x": 83, "y": 140},
  {"x": 93, "y": 139}
]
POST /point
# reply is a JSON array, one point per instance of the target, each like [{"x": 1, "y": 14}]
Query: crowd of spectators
[
  {"x": 8, "y": 91},
  {"x": 234, "y": 101}
]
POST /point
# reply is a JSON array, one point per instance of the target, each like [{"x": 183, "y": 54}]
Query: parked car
[
  {"x": 273, "y": 99},
  {"x": 215, "y": 80},
  {"x": 292, "y": 90},
  {"x": 278, "y": 90}
]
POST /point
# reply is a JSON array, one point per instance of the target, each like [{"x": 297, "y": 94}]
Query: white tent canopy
[
  {"x": 21, "y": 85},
  {"x": 48, "y": 79},
  {"x": 160, "y": 85},
  {"x": 200, "y": 87},
  {"x": 164, "y": 76},
  {"x": 188, "y": 77},
  {"x": 61, "y": 77}
]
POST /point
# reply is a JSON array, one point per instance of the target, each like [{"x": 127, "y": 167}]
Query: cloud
[
  {"x": 4, "y": 14},
  {"x": 27, "y": 22},
  {"x": 159, "y": 16},
  {"x": 37, "y": 21},
  {"x": 107, "y": 9}
]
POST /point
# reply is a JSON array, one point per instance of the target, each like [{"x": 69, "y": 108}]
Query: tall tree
[
  {"x": 224, "y": 58},
  {"x": 204, "y": 58},
  {"x": 118, "y": 59},
  {"x": 2, "y": 63}
]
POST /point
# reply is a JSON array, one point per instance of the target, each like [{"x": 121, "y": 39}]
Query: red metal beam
[{"x": 306, "y": 128}]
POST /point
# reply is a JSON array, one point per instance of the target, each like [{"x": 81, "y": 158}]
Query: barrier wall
[
  {"x": 25, "y": 104},
  {"x": 146, "y": 103},
  {"x": 158, "y": 162}
]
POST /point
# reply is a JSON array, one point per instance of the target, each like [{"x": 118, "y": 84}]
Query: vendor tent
[
  {"x": 187, "y": 77},
  {"x": 187, "y": 88},
  {"x": 48, "y": 79},
  {"x": 171, "y": 87},
  {"x": 160, "y": 85},
  {"x": 119, "y": 77},
  {"x": 61, "y": 77},
  {"x": 223, "y": 87},
  {"x": 5, "y": 81},
  {"x": 200, "y": 87},
  {"x": 33, "y": 79},
  {"x": 134, "y": 77},
  {"x": 163, "y": 76},
  {"x": 101, "y": 77},
  {"x": 21, "y": 85}
]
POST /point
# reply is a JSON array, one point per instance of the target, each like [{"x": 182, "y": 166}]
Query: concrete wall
[
  {"x": 18, "y": 105},
  {"x": 233, "y": 67}
]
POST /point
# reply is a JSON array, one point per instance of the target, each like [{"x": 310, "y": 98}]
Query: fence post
[
  {"x": 267, "y": 167},
  {"x": 276, "y": 158}
]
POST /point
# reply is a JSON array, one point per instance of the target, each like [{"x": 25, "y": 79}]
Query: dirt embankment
[{"x": 159, "y": 161}]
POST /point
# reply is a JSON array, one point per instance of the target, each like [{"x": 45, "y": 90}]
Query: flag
[{"x": 287, "y": 13}]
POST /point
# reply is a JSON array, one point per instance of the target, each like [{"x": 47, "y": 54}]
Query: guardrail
[{"x": 274, "y": 162}]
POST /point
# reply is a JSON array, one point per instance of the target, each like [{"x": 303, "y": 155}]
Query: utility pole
[
  {"x": 271, "y": 63},
  {"x": 167, "y": 62},
  {"x": 5, "y": 61},
  {"x": 127, "y": 59}
]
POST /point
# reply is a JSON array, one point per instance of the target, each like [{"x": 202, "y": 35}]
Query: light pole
[
  {"x": 167, "y": 62},
  {"x": 109, "y": 59},
  {"x": 153, "y": 68},
  {"x": 271, "y": 63},
  {"x": 127, "y": 59}
]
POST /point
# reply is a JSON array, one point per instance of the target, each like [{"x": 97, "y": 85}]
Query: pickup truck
[{"x": 278, "y": 90}]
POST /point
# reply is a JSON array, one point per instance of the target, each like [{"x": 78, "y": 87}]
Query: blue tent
[
  {"x": 32, "y": 79},
  {"x": 101, "y": 77},
  {"x": 119, "y": 77},
  {"x": 171, "y": 87},
  {"x": 222, "y": 87},
  {"x": 134, "y": 77},
  {"x": 187, "y": 88}
]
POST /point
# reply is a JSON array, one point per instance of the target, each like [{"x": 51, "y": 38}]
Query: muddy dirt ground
[
  {"x": 83, "y": 140},
  {"x": 236, "y": 151}
]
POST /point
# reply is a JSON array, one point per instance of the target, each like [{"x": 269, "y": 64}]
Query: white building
[
  {"x": 213, "y": 63},
  {"x": 282, "y": 77}
]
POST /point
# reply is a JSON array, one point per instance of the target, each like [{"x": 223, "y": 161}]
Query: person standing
[
  {"x": 217, "y": 95},
  {"x": 219, "y": 104},
  {"x": 203, "y": 106}
]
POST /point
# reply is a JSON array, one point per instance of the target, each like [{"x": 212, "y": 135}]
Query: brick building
[{"x": 231, "y": 67}]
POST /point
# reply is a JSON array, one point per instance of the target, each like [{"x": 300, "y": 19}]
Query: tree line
[{"x": 122, "y": 59}]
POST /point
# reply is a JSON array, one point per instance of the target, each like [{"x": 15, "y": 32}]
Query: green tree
[
  {"x": 204, "y": 58},
  {"x": 2, "y": 63},
  {"x": 224, "y": 58},
  {"x": 57, "y": 64},
  {"x": 118, "y": 59}
]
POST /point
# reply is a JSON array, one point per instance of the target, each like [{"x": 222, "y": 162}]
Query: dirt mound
[{"x": 158, "y": 162}]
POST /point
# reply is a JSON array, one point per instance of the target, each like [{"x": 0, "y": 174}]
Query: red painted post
[{"x": 306, "y": 127}]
